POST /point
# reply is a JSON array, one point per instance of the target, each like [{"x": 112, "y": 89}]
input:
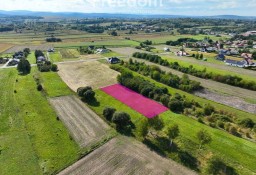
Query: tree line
[
  {"x": 184, "y": 83},
  {"x": 226, "y": 79}
]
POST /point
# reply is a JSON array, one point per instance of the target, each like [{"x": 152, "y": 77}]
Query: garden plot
[
  {"x": 84, "y": 125},
  {"x": 89, "y": 73},
  {"x": 125, "y": 156}
]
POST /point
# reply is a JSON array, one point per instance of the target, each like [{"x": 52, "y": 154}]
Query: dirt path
[
  {"x": 123, "y": 156},
  {"x": 228, "y": 100},
  {"x": 84, "y": 125}
]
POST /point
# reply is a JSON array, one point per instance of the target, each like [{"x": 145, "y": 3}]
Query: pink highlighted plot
[{"x": 139, "y": 103}]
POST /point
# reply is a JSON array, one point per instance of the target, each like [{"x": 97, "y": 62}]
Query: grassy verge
[{"x": 34, "y": 142}]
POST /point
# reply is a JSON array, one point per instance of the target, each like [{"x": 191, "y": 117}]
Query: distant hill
[{"x": 112, "y": 15}]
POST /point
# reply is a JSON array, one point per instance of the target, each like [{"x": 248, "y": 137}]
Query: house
[
  {"x": 167, "y": 49},
  {"x": 40, "y": 59},
  {"x": 221, "y": 57},
  {"x": 51, "y": 50},
  {"x": 180, "y": 53},
  {"x": 101, "y": 51},
  {"x": 254, "y": 46},
  {"x": 236, "y": 63},
  {"x": 113, "y": 60},
  {"x": 18, "y": 55},
  {"x": 246, "y": 56}
]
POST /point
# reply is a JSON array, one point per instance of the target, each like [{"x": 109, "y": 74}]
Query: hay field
[{"x": 90, "y": 73}]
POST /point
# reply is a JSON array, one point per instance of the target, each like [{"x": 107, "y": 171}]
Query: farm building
[
  {"x": 113, "y": 60},
  {"x": 3, "y": 60},
  {"x": 13, "y": 62}
]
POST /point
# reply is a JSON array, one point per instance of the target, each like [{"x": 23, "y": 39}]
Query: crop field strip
[
  {"x": 85, "y": 126},
  {"x": 123, "y": 155}
]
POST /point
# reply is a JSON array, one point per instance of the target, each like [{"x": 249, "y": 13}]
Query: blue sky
[{"x": 171, "y": 7}]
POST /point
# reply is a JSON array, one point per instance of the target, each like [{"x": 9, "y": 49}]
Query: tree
[
  {"x": 143, "y": 128},
  {"x": 173, "y": 132},
  {"x": 89, "y": 95},
  {"x": 121, "y": 119},
  {"x": 108, "y": 113},
  {"x": 254, "y": 55},
  {"x": 204, "y": 138},
  {"x": 82, "y": 90},
  {"x": 113, "y": 33},
  {"x": 201, "y": 56},
  {"x": 24, "y": 66},
  {"x": 208, "y": 109},
  {"x": 248, "y": 123},
  {"x": 156, "y": 123}
]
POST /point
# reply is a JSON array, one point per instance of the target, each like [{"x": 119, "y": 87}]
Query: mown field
[{"x": 32, "y": 140}]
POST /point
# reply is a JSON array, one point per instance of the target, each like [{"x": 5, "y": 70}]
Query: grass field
[
  {"x": 224, "y": 144},
  {"x": 69, "y": 53},
  {"x": 53, "y": 85},
  {"x": 30, "y": 134},
  {"x": 55, "y": 57},
  {"x": 108, "y": 43}
]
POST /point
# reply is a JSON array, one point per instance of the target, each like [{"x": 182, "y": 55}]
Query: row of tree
[
  {"x": 169, "y": 79},
  {"x": 227, "y": 79},
  {"x": 181, "y": 41}
]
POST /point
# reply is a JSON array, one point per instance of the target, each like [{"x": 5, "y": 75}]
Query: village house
[
  {"x": 113, "y": 60},
  {"x": 101, "y": 51},
  {"x": 181, "y": 53},
  {"x": 40, "y": 59}
]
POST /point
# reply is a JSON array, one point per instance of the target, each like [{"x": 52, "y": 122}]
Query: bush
[
  {"x": 121, "y": 119},
  {"x": 54, "y": 68},
  {"x": 82, "y": 90},
  {"x": 176, "y": 105},
  {"x": 108, "y": 113},
  {"x": 248, "y": 123},
  {"x": 208, "y": 109},
  {"x": 220, "y": 124},
  {"x": 39, "y": 87}
]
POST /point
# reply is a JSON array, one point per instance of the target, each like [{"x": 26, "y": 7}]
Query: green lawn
[
  {"x": 31, "y": 139},
  {"x": 55, "y": 57},
  {"x": 31, "y": 58},
  {"x": 223, "y": 145}
]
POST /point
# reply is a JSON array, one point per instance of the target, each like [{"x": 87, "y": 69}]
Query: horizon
[{"x": 136, "y": 7}]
